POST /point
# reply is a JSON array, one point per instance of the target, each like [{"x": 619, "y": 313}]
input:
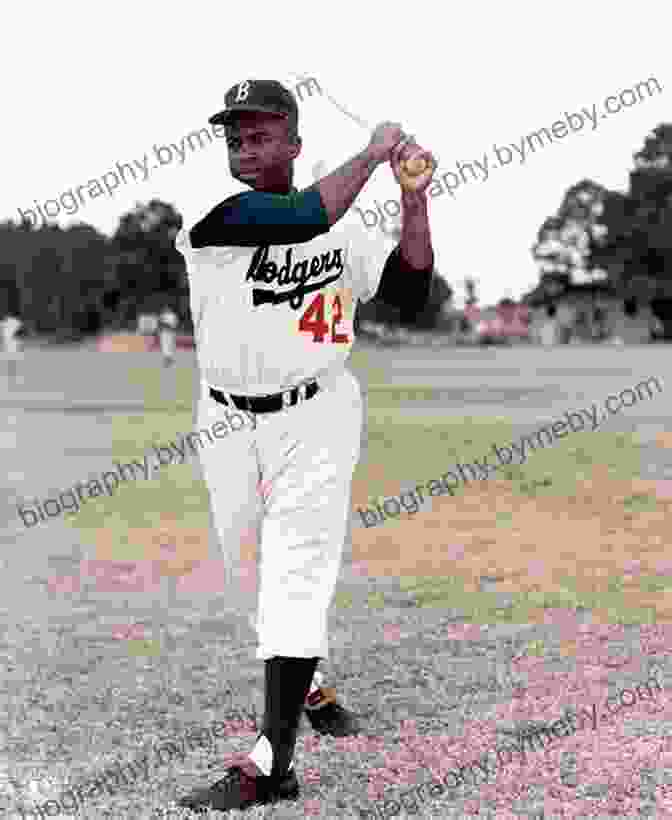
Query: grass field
[
  {"x": 572, "y": 527},
  {"x": 497, "y": 576}
]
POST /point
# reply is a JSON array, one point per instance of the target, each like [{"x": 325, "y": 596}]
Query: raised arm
[
  {"x": 340, "y": 188},
  {"x": 257, "y": 218}
]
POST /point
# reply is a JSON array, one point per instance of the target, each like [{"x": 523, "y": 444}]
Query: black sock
[{"x": 287, "y": 683}]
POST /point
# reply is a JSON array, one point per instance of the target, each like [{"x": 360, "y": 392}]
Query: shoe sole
[{"x": 205, "y": 807}]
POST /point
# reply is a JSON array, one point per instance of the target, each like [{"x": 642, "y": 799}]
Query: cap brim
[{"x": 225, "y": 117}]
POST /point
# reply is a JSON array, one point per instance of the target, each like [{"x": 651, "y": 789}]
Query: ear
[{"x": 295, "y": 148}]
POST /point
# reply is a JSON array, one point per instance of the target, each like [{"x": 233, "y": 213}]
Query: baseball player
[
  {"x": 148, "y": 324},
  {"x": 168, "y": 322},
  {"x": 9, "y": 327},
  {"x": 273, "y": 331}
]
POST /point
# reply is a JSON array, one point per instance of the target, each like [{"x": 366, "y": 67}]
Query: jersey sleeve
[
  {"x": 405, "y": 287},
  {"x": 369, "y": 253},
  {"x": 379, "y": 270},
  {"x": 257, "y": 218}
]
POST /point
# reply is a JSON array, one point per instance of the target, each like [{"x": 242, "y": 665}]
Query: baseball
[{"x": 414, "y": 167}]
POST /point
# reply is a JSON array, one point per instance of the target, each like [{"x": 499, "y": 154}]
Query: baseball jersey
[
  {"x": 273, "y": 289},
  {"x": 168, "y": 320},
  {"x": 147, "y": 324},
  {"x": 9, "y": 328}
]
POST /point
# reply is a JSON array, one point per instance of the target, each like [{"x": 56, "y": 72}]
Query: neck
[
  {"x": 275, "y": 188},
  {"x": 278, "y": 186}
]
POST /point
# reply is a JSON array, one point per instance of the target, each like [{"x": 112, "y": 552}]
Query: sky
[{"x": 88, "y": 86}]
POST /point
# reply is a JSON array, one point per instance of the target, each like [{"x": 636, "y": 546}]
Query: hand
[
  {"x": 384, "y": 138},
  {"x": 411, "y": 151}
]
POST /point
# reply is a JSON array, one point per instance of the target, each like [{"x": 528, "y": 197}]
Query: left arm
[
  {"x": 416, "y": 241},
  {"x": 407, "y": 276}
]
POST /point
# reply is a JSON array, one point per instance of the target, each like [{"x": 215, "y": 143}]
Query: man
[
  {"x": 273, "y": 331},
  {"x": 9, "y": 327},
  {"x": 549, "y": 333},
  {"x": 168, "y": 322},
  {"x": 148, "y": 324},
  {"x": 565, "y": 317}
]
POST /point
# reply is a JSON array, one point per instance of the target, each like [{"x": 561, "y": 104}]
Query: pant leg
[
  {"x": 308, "y": 454},
  {"x": 231, "y": 472}
]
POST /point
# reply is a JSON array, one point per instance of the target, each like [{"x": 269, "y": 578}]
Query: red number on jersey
[
  {"x": 338, "y": 338},
  {"x": 318, "y": 327}
]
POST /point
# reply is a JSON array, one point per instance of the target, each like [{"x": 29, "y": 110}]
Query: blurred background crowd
[{"x": 604, "y": 260}]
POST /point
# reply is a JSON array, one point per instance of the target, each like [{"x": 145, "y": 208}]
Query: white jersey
[
  {"x": 147, "y": 324},
  {"x": 168, "y": 320},
  {"x": 267, "y": 318},
  {"x": 549, "y": 333},
  {"x": 9, "y": 327}
]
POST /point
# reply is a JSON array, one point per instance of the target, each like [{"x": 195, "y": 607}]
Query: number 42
[{"x": 313, "y": 322}]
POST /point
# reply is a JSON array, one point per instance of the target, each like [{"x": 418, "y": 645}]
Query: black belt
[{"x": 268, "y": 404}]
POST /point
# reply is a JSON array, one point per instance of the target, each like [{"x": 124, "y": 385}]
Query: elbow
[{"x": 421, "y": 297}]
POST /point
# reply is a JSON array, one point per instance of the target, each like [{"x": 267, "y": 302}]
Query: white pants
[
  {"x": 167, "y": 342},
  {"x": 280, "y": 487}
]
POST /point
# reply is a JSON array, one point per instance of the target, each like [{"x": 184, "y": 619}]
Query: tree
[
  {"x": 49, "y": 276},
  {"x": 636, "y": 248},
  {"x": 148, "y": 263},
  {"x": 626, "y": 237},
  {"x": 565, "y": 239}
]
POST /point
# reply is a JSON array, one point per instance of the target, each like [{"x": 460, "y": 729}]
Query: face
[{"x": 261, "y": 151}]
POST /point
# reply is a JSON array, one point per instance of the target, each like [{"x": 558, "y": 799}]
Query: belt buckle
[
  {"x": 302, "y": 393},
  {"x": 286, "y": 399}
]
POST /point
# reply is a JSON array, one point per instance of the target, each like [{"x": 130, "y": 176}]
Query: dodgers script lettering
[{"x": 263, "y": 270}]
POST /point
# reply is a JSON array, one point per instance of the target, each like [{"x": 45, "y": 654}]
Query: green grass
[
  {"x": 165, "y": 389},
  {"x": 141, "y": 503},
  {"x": 421, "y": 450},
  {"x": 482, "y": 607},
  {"x": 410, "y": 449},
  {"x": 142, "y": 648}
]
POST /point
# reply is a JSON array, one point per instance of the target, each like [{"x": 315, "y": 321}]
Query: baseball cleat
[
  {"x": 240, "y": 790},
  {"x": 327, "y": 716}
]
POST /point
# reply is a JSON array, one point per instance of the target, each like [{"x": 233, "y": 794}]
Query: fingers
[
  {"x": 407, "y": 150},
  {"x": 416, "y": 152},
  {"x": 404, "y": 146},
  {"x": 429, "y": 158},
  {"x": 396, "y": 155},
  {"x": 403, "y": 141}
]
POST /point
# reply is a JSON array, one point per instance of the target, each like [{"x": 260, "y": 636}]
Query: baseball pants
[
  {"x": 280, "y": 501},
  {"x": 167, "y": 342}
]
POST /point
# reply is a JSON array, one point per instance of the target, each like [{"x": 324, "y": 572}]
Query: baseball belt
[{"x": 272, "y": 403}]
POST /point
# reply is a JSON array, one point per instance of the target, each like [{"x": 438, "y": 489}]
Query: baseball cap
[{"x": 262, "y": 96}]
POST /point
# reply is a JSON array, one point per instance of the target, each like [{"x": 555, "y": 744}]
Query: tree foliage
[
  {"x": 625, "y": 237},
  {"x": 71, "y": 282},
  {"x": 565, "y": 239}
]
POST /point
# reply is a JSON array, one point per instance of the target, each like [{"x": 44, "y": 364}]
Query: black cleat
[
  {"x": 328, "y": 717},
  {"x": 239, "y": 790}
]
